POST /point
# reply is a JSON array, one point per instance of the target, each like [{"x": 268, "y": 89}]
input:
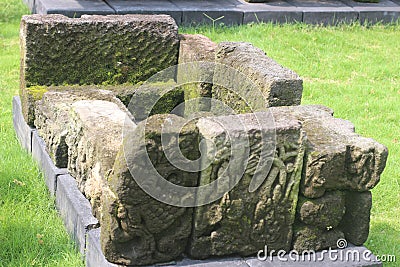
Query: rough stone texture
[
  {"x": 325, "y": 212},
  {"x": 75, "y": 209},
  {"x": 57, "y": 50},
  {"x": 278, "y": 85},
  {"x": 152, "y": 97},
  {"x": 196, "y": 76},
  {"x": 307, "y": 237},
  {"x": 96, "y": 49},
  {"x": 50, "y": 172},
  {"x": 22, "y": 129},
  {"x": 242, "y": 222},
  {"x": 136, "y": 228},
  {"x": 52, "y": 116},
  {"x": 95, "y": 135},
  {"x": 336, "y": 157},
  {"x": 355, "y": 223}
]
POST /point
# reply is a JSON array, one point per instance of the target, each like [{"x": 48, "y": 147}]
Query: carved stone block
[{"x": 248, "y": 216}]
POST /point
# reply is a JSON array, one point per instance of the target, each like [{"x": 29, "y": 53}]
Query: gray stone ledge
[
  {"x": 75, "y": 210},
  {"x": 50, "y": 171},
  {"x": 72, "y": 8},
  {"x": 22, "y": 129}
]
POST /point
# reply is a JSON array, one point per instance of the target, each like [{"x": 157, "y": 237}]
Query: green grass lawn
[{"x": 354, "y": 70}]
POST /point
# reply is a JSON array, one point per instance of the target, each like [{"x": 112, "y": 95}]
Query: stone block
[
  {"x": 22, "y": 129},
  {"x": 262, "y": 79},
  {"x": 75, "y": 210},
  {"x": 306, "y": 237},
  {"x": 138, "y": 229},
  {"x": 72, "y": 8},
  {"x": 325, "y": 212},
  {"x": 51, "y": 115},
  {"x": 196, "y": 70},
  {"x": 154, "y": 97},
  {"x": 355, "y": 223},
  {"x": 258, "y": 182},
  {"x": 50, "y": 171},
  {"x": 95, "y": 134},
  {"x": 336, "y": 157},
  {"x": 94, "y": 49}
]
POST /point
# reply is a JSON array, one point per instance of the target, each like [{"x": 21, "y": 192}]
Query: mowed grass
[
  {"x": 31, "y": 233},
  {"x": 356, "y": 71}
]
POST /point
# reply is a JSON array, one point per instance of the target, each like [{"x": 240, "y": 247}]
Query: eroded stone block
[
  {"x": 246, "y": 218},
  {"x": 95, "y": 134},
  {"x": 336, "y": 157},
  {"x": 355, "y": 223},
  {"x": 197, "y": 55},
  {"x": 325, "y": 212},
  {"x": 52, "y": 116},
  {"x": 96, "y": 49},
  {"x": 308, "y": 237},
  {"x": 137, "y": 229},
  {"x": 261, "y": 78}
]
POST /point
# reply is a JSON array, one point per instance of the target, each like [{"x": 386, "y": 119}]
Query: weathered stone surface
[
  {"x": 279, "y": 86},
  {"x": 355, "y": 223},
  {"x": 242, "y": 222},
  {"x": 153, "y": 97},
  {"x": 307, "y": 237},
  {"x": 325, "y": 212},
  {"x": 93, "y": 140},
  {"x": 52, "y": 116},
  {"x": 136, "y": 228},
  {"x": 57, "y": 50},
  {"x": 336, "y": 158},
  {"x": 196, "y": 76},
  {"x": 96, "y": 49}
]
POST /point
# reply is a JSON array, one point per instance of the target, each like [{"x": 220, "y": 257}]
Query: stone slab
[
  {"x": 193, "y": 12},
  {"x": 122, "y": 7},
  {"x": 322, "y": 259},
  {"x": 50, "y": 171},
  {"x": 72, "y": 8},
  {"x": 75, "y": 210},
  {"x": 94, "y": 255},
  {"x": 22, "y": 130},
  {"x": 327, "y": 12},
  {"x": 385, "y": 11},
  {"x": 276, "y": 11}
]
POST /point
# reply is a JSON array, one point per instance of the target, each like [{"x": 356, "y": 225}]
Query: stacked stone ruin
[{"x": 78, "y": 77}]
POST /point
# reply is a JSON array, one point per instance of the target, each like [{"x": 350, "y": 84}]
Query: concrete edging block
[
  {"x": 22, "y": 129},
  {"x": 50, "y": 171},
  {"x": 75, "y": 210}
]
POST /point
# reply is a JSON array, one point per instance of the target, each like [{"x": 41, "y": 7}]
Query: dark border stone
[
  {"x": 22, "y": 129},
  {"x": 50, "y": 171},
  {"x": 122, "y": 7},
  {"x": 75, "y": 210},
  {"x": 73, "y": 8}
]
